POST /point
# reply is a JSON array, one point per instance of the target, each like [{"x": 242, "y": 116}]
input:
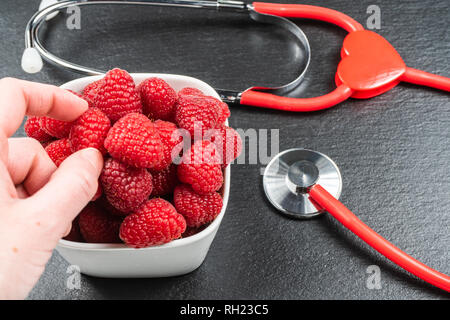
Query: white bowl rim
[{"x": 175, "y": 243}]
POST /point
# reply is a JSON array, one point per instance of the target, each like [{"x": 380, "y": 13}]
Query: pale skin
[{"x": 37, "y": 200}]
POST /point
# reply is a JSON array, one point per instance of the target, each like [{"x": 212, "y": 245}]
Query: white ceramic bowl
[{"x": 175, "y": 258}]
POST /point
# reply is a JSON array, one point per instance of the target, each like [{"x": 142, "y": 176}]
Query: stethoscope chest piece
[{"x": 291, "y": 173}]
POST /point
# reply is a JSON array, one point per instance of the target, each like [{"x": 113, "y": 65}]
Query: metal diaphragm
[{"x": 291, "y": 173}]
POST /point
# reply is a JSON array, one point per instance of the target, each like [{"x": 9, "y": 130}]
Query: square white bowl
[{"x": 172, "y": 259}]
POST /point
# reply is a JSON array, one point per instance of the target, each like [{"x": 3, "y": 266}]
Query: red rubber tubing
[
  {"x": 426, "y": 79},
  {"x": 271, "y": 101},
  {"x": 349, "y": 220},
  {"x": 308, "y": 12}
]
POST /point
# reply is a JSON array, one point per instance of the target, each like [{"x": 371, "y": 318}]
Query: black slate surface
[{"x": 392, "y": 150}]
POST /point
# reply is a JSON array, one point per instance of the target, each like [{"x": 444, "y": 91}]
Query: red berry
[
  {"x": 97, "y": 226},
  {"x": 200, "y": 167},
  {"x": 34, "y": 130},
  {"x": 196, "y": 209},
  {"x": 224, "y": 111},
  {"x": 228, "y": 143},
  {"x": 156, "y": 222},
  {"x": 56, "y": 128},
  {"x": 59, "y": 150},
  {"x": 74, "y": 234},
  {"x": 196, "y": 113},
  {"x": 46, "y": 143},
  {"x": 158, "y": 99},
  {"x": 108, "y": 207},
  {"x": 168, "y": 132},
  {"x": 90, "y": 91},
  {"x": 90, "y": 130},
  {"x": 190, "y": 231},
  {"x": 117, "y": 95},
  {"x": 222, "y": 107},
  {"x": 134, "y": 140},
  {"x": 165, "y": 181},
  {"x": 125, "y": 187},
  {"x": 188, "y": 91},
  {"x": 98, "y": 193}
]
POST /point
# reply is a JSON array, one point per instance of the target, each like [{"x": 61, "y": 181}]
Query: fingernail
[
  {"x": 79, "y": 99},
  {"x": 93, "y": 156}
]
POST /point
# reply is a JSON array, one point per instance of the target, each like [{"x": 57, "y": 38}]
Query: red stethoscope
[
  {"x": 300, "y": 183},
  {"x": 369, "y": 67}
]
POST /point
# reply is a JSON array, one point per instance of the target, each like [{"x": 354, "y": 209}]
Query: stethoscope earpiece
[{"x": 31, "y": 61}]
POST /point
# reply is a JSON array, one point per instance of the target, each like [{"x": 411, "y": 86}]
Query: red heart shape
[{"x": 370, "y": 65}]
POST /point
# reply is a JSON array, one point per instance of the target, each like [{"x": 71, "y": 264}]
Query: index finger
[{"x": 20, "y": 98}]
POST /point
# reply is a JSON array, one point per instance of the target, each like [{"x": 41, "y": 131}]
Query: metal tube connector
[{"x": 228, "y": 5}]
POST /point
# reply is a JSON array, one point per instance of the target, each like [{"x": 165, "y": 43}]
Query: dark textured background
[{"x": 392, "y": 150}]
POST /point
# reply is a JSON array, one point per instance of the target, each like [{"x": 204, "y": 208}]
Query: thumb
[{"x": 70, "y": 188}]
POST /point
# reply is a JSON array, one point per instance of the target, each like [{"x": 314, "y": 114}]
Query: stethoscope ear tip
[{"x": 31, "y": 61}]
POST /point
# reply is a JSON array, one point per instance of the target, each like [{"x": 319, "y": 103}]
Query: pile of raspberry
[{"x": 164, "y": 158}]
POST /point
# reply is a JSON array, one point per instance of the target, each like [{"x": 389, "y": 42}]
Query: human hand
[{"x": 37, "y": 200}]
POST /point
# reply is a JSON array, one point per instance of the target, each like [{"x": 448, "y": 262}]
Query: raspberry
[
  {"x": 158, "y": 99},
  {"x": 98, "y": 193},
  {"x": 56, "y": 128},
  {"x": 97, "y": 226},
  {"x": 74, "y": 234},
  {"x": 227, "y": 140},
  {"x": 59, "y": 150},
  {"x": 170, "y": 139},
  {"x": 224, "y": 111},
  {"x": 196, "y": 209},
  {"x": 34, "y": 130},
  {"x": 90, "y": 91},
  {"x": 125, "y": 187},
  {"x": 134, "y": 140},
  {"x": 117, "y": 95},
  {"x": 190, "y": 231},
  {"x": 46, "y": 143},
  {"x": 90, "y": 130},
  {"x": 108, "y": 207},
  {"x": 200, "y": 167},
  {"x": 190, "y": 92},
  {"x": 156, "y": 222},
  {"x": 194, "y": 112},
  {"x": 165, "y": 181}
]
